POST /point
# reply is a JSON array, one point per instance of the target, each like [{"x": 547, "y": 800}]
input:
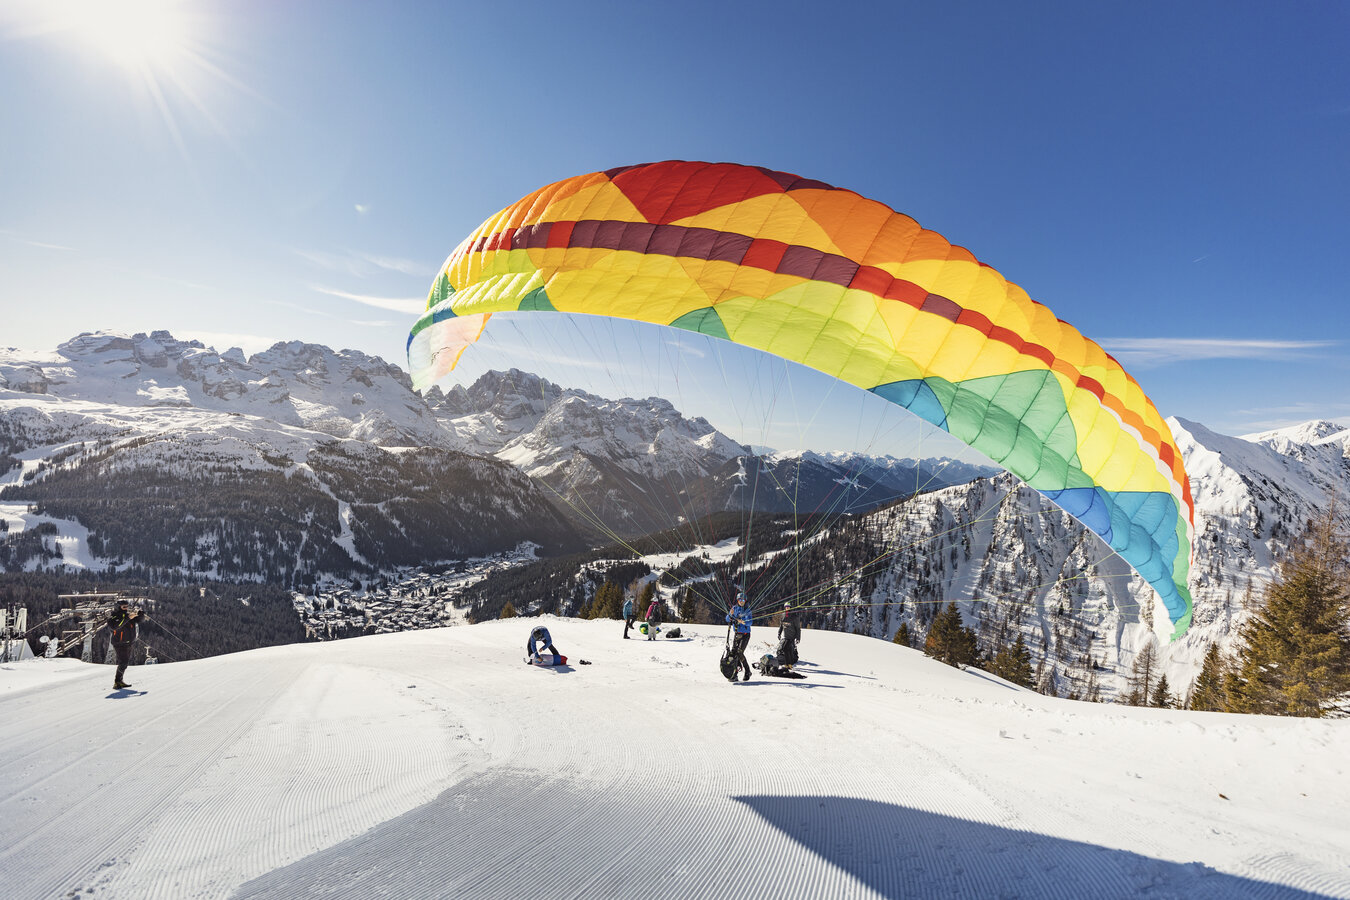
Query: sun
[
  {"x": 143, "y": 36},
  {"x": 168, "y": 53}
]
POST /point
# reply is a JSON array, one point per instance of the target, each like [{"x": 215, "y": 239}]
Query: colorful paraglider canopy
[{"x": 843, "y": 284}]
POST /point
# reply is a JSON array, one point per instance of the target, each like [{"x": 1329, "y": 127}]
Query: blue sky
[{"x": 1170, "y": 178}]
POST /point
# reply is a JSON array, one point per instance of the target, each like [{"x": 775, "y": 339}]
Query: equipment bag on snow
[{"x": 770, "y": 665}]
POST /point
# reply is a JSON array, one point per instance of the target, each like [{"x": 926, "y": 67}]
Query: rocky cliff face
[{"x": 1015, "y": 563}]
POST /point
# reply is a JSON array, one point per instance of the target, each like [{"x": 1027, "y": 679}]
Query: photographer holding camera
[{"x": 122, "y": 626}]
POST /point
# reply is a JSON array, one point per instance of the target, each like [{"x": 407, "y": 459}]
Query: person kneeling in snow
[{"x": 540, "y": 639}]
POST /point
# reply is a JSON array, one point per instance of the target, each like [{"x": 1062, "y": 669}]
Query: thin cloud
[
  {"x": 1162, "y": 351},
  {"x": 325, "y": 260},
  {"x": 304, "y": 309},
  {"x": 179, "y": 281},
  {"x": 44, "y": 245},
  {"x": 362, "y": 209},
  {"x": 363, "y": 265},
  {"x": 394, "y": 264},
  {"x": 393, "y": 304}
]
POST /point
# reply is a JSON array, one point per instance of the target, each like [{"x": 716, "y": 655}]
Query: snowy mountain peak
[
  {"x": 343, "y": 393},
  {"x": 535, "y": 424},
  {"x": 1312, "y": 432}
]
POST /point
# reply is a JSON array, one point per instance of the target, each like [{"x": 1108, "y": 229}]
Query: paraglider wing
[{"x": 846, "y": 285}]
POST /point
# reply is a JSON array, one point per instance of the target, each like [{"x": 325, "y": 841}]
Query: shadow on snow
[
  {"x": 512, "y": 834},
  {"x": 902, "y": 852}
]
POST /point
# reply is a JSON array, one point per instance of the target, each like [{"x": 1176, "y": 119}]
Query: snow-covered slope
[{"x": 434, "y": 764}]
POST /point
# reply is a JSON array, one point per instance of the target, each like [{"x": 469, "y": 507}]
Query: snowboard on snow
[{"x": 546, "y": 659}]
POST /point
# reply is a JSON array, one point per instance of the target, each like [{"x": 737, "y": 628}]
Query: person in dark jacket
[
  {"x": 789, "y": 633},
  {"x": 627, "y": 616},
  {"x": 739, "y": 616},
  {"x": 122, "y": 627}
]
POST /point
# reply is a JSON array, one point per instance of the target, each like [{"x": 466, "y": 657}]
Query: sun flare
[
  {"x": 167, "y": 53},
  {"x": 136, "y": 34}
]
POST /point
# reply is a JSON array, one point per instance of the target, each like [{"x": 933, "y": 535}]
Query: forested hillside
[
  {"x": 182, "y": 622},
  {"x": 165, "y": 505}
]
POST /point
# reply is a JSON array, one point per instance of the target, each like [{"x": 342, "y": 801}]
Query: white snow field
[{"x": 436, "y": 764}]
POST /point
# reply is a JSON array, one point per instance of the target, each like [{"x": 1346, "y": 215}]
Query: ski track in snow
[{"x": 436, "y": 764}]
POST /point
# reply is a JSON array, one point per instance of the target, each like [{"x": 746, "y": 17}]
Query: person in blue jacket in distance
[{"x": 739, "y": 617}]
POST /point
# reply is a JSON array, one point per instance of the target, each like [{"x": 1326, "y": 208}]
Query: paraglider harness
[
  {"x": 729, "y": 663},
  {"x": 122, "y": 625},
  {"x": 786, "y": 652}
]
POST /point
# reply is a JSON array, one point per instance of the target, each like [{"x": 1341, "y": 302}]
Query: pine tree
[
  {"x": 1295, "y": 654},
  {"x": 1162, "y": 695},
  {"x": 687, "y": 611},
  {"x": 508, "y": 611},
  {"x": 645, "y": 598},
  {"x": 902, "y": 635},
  {"x": 1014, "y": 664},
  {"x": 608, "y": 602},
  {"x": 949, "y": 641},
  {"x": 1094, "y": 688},
  {"x": 1210, "y": 692},
  {"x": 1141, "y": 675},
  {"x": 703, "y": 612}
]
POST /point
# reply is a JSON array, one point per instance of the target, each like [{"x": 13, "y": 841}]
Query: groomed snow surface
[{"x": 437, "y": 764}]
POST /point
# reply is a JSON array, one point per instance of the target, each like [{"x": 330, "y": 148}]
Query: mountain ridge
[{"x": 516, "y": 461}]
